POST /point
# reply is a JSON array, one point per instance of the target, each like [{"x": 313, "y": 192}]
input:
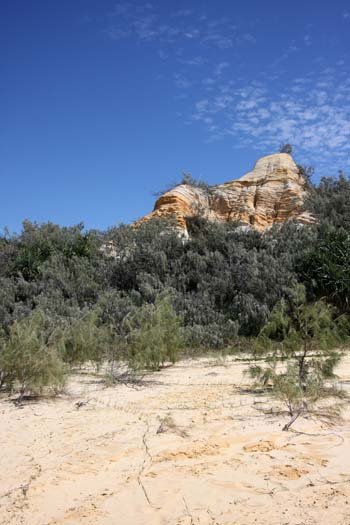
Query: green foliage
[
  {"x": 330, "y": 201},
  {"x": 286, "y": 148},
  {"x": 302, "y": 342},
  {"x": 188, "y": 179},
  {"x": 86, "y": 341},
  {"x": 155, "y": 335},
  {"x": 224, "y": 281},
  {"x": 29, "y": 357},
  {"x": 306, "y": 172},
  {"x": 37, "y": 243},
  {"x": 326, "y": 266}
]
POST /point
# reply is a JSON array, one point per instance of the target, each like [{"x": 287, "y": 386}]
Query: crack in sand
[
  {"x": 148, "y": 458},
  {"x": 103, "y": 461},
  {"x": 19, "y": 502}
]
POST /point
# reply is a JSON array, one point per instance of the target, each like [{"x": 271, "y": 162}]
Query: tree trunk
[
  {"x": 290, "y": 423},
  {"x": 302, "y": 370}
]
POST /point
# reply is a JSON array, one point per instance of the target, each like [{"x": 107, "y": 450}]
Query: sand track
[{"x": 189, "y": 446}]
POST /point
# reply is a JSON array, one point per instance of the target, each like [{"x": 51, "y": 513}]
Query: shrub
[
  {"x": 286, "y": 148},
  {"x": 29, "y": 359},
  {"x": 329, "y": 202},
  {"x": 326, "y": 266},
  {"x": 224, "y": 280},
  {"x": 86, "y": 340},
  {"x": 155, "y": 335},
  {"x": 38, "y": 242},
  {"x": 306, "y": 172},
  {"x": 303, "y": 338},
  {"x": 188, "y": 179}
]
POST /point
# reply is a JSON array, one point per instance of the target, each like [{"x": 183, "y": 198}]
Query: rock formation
[{"x": 271, "y": 193}]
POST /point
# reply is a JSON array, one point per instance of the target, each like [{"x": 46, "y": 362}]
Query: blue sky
[{"x": 103, "y": 103}]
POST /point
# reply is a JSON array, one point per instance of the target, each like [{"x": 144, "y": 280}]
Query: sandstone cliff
[{"x": 271, "y": 193}]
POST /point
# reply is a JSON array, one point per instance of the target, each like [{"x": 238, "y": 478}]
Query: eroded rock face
[{"x": 273, "y": 192}]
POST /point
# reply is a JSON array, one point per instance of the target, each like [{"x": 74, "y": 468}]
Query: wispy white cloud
[
  {"x": 182, "y": 13},
  {"x": 195, "y": 61},
  {"x": 145, "y": 23},
  {"x": 248, "y": 37},
  {"x": 181, "y": 81},
  {"x": 120, "y": 9},
  {"x": 307, "y": 40},
  {"x": 311, "y": 110},
  {"x": 312, "y": 115}
]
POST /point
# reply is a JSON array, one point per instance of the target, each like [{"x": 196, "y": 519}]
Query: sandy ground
[{"x": 189, "y": 446}]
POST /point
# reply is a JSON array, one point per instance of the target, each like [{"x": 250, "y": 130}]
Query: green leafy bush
[
  {"x": 326, "y": 266},
  {"x": 330, "y": 201}
]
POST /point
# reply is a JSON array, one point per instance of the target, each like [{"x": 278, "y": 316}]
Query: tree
[
  {"x": 155, "y": 335},
  {"x": 326, "y": 267},
  {"x": 38, "y": 242},
  {"x": 29, "y": 359},
  {"x": 301, "y": 340},
  {"x": 306, "y": 172},
  {"x": 286, "y": 148},
  {"x": 86, "y": 341},
  {"x": 329, "y": 201}
]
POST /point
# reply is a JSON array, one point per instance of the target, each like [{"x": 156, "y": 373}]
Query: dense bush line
[{"x": 64, "y": 300}]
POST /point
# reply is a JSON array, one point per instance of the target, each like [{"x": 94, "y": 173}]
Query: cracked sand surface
[{"x": 219, "y": 460}]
